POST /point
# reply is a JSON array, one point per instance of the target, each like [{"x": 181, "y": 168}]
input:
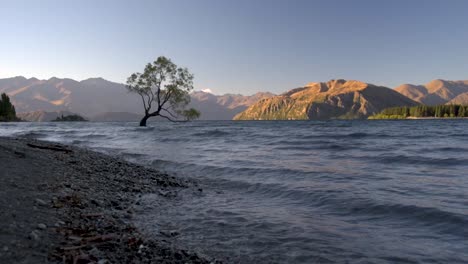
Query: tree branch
[
  {"x": 159, "y": 88},
  {"x": 144, "y": 103},
  {"x": 149, "y": 100},
  {"x": 167, "y": 96},
  {"x": 169, "y": 112},
  {"x": 175, "y": 121}
]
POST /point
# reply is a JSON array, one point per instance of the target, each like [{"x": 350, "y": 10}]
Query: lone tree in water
[
  {"x": 7, "y": 110},
  {"x": 164, "y": 90}
]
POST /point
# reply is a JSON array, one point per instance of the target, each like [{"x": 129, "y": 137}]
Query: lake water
[{"x": 298, "y": 191}]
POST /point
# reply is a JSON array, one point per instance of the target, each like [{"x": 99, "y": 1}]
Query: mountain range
[
  {"x": 224, "y": 107},
  {"x": 87, "y": 98},
  {"x": 42, "y": 116},
  {"x": 101, "y": 100},
  {"x": 437, "y": 92}
]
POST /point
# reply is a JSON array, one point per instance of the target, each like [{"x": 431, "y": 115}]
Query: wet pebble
[
  {"x": 34, "y": 236},
  {"x": 41, "y": 226},
  {"x": 40, "y": 202}
]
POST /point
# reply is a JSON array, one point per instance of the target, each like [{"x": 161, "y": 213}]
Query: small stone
[
  {"x": 178, "y": 256},
  {"x": 34, "y": 236},
  {"x": 59, "y": 224},
  {"x": 103, "y": 261},
  {"x": 5, "y": 248},
  {"x": 40, "y": 202},
  {"x": 41, "y": 226}
]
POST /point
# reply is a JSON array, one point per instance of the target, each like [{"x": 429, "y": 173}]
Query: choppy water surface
[{"x": 299, "y": 192}]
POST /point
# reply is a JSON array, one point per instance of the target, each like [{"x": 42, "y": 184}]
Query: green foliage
[
  {"x": 7, "y": 110},
  {"x": 191, "y": 114},
  {"x": 70, "y": 118},
  {"x": 439, "y": 111},
  {"x": 164, "y": 90}
]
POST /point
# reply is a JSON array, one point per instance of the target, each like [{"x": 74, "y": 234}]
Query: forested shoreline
[
  {"x": 7, "y": 110},
  {"x": 423, "y": 111}
]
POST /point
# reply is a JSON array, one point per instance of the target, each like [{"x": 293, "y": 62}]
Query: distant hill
[
  {"x": 88, "y": 97},
  {"x": 70, "y": 118},
  {"x": 461, "y": 99},
  {"x": 116, "y": 117},
  {"x": 334, "y": 99},
  {"x": 223, "y": 107},
  {"x": 42, "y": 116},
  {"x": 436, "y": 92},
  {"x": 103, "y": 100}
]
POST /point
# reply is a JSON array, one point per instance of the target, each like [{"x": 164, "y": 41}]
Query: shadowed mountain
[
  {"x": 334, "y": 99},
  {"x": 116, "y": 117},
  {"x": 223, "y": 107},
  {"x": 461, "y": 99},
  {"x": 108, "y": 101},
  {"x": 435, "y": 92},
  {"x": 87, "y": 97},
  {"x": 42, "y": 116}
]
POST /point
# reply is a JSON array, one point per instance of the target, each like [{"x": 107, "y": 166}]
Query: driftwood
[{"x": 54, "y": 148}]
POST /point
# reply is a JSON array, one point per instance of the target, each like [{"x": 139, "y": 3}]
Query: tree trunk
[{"x": 143, "y": 120}]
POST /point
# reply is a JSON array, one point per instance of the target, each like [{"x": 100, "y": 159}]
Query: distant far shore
[
  {"x": 62, "y": 204},
  {"x": 419, "y": 118},
  {"x": 431, "y": 118}
]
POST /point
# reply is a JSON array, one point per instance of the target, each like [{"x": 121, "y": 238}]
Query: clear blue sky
[{"x": 238, "y": 46}]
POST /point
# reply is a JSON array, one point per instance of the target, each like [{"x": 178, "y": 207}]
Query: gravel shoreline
[{"x": 63, "y": 204}]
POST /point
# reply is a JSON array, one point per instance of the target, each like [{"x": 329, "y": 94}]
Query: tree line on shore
[
  {"x": 7, "y": 110},
  {"x": 438, "y": 111},
  {"x": 70, "y": 118}
]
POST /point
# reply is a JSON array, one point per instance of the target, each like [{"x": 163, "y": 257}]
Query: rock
[
  {"x": 171, "y": 233},
  {"x": 103, "y": 261},
  {"x": 5, "y": 248},
  {"x": 141, "y": 248},
  {"x": 163, "y": 193},
  {"x": 59, "y": 224},
  {"x": 95, "y": 202},
  {"x": 41, "y": 226},
  {"x": 40, "y": 202},
  {"x": 34, "y": 236},
  {"x": 178, "y": 256}
]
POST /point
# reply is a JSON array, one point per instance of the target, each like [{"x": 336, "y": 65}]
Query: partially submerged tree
[
  {"x": 7, "y": 110},
  {"x": 164, "y": 90}
]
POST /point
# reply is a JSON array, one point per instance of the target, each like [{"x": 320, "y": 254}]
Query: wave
[
  {"x": 416, "y": 160},
  {"x": 344, "y": 203},
  {"x": 211, "y": 133},
  {"x": 33, "y": 135}
]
